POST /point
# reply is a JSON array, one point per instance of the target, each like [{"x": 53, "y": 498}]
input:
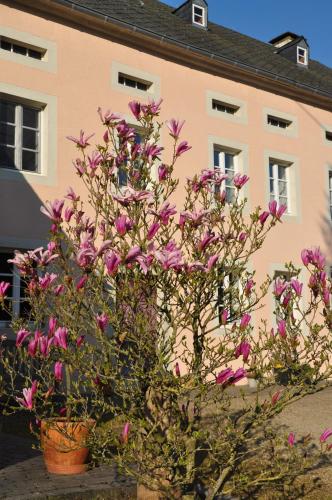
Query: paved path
[{"x": 23, "y": 476}]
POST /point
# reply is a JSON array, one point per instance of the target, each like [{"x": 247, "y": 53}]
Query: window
[
  {"x": 19, "y": 136},
  {"x": 135, "y": 83},
  {"x": 227, "y": 163},
  {"x": 278, "y": 122},
  {"x": 15, "y": 293},
  {"x": 224, "y": 107},
  {"x": 279, "y": 183},
  {"x": 122, "y": 173},
  {"x": 328, "y": 136},
  {"x": 302, "y": 56},
  {"x": 17, "y": 47},
  {"x": 199, "y": 15}
]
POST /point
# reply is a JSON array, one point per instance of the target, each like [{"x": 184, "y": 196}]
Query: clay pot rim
[{"x": 62, "y": 421}]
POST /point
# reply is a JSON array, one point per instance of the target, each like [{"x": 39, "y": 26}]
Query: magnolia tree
[{"x": 141, "y": 317}]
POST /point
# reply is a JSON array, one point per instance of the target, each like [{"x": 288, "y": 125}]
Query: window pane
[
  {"x": 30, "y": 138},
  {"x": 271, "y": 169},
  {"x": 330, "y": 180},
  {"x": 30, "y": 117},
  {"x": 229, "y": 161},
  {"x": 5, "y": 266},
  {"x": 281, "y": 172},
  {"x": 7, "y": 112},
  {"x": 35, "y": 54},
  {"x": 29, "y": 161},
  {"x": 138, "y": 138},
  {"x": 122, "y": 177},
  {"x": 230, "y": 194},
  {"x": 271, "y": 186},
  {"x": 283, "y": 201},
  {"x": 6, "y": 45},
  {"x": 282, "y": 188},
  {"x": 18, "y": 49},
  {"x": 25, "y": 307},
  {"x": 7, "y": 157},
  {"x": 7, "y": 134}
]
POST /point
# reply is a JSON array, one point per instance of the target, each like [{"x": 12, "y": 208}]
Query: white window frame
[
  {"x": 221, "y": 152},
  {"x": 305, "y": 55},
  {"x": 203, "y": 15},
  {"x": 18, "y": 141},
  {"x": 275, "y": 178},
  {"x": 330, "y": 192}
]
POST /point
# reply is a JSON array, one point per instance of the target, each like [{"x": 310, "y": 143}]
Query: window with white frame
[
  {"x": 275, "y": 121},
  {"x": 133, "y": 82},
  {"x": 199, "y": 15},
  {"x": 224, "y": 107},
  {"x": 16, "y": 302},
  {"x": 279, "y": 183},
  {"x": 302, "y": 56},
  {"x": 17, "y": 47},
  {"x": 122, "y": 172},
  {"x": 226, "y": 162},
  {"x": 19, "y": 136}
]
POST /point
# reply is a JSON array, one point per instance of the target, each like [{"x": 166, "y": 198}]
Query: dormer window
[
  {"x": 302, "y": 56},
  {"x": 199, "y": 15}
]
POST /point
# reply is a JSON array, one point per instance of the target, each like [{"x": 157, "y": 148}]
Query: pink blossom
[
  {"x": 69, "y": 212},
  {"x": 112, "y": 262},
  {"x": 58, "y": 290},
  {"x": 33, "y": 344},
  {"x": 228, "y": 377},
  {"x": 282, "y": 328},
  {"x": 279, "y": 287},
  {"x": 242, "y": 237},
  {"x": 305, "y": 256},
  {"x": 52, "y": 322},
  {"x": 182, "y": 148},
  {"x": 71, "y": 195},
  {"x": 163, "y": 172},
  {"x": 94, "y": 160},
  {"x": 80, "y": 166},
  {"x": 81, "y": 142},
  {"x": 275, "y": 397},
  {"x": 130, "y": 196},
  {"x": 152, "y": 108},
  {"x": 208, "y": 239},
  {"x": 243, "y": 349},
  {"x": 165, "y": 212},
  {"x": 240, "y": 180},
  {"x": 80, "y": 340},
  {"x": 297, "y": 287},
  {"x": 123, "y": 224},
  {"x": 224, "y": 317},
  {"x": 58, "y": 366},
  {"x": 325, "y": 435},
  {"x": 125, "y": 433},
  {"x": 102, "y": 321},
  {"x": 248, "y": 287},
  {"x": 286, "y": 299},
  {"x": 47, "y": 280},
  {"x": 135, "y": 108},
  {"x": 275, "y": 211},
  {"x": 177, "y": 370},
  {"x": 245, "y": 321},
  {"x": 263, "y": 216},
  {"x": 44, "y": 345},
  {"x": 21, "y": 336},
  {"x": 175, "y": 127},
  {"x": 152, "y": 231},
  {"x": 212, "y": 262},
  {"x": 151, "y": 151},
  {"x": 108, "y": 117},
  {"x": 60, "y": 337},
  {"x": 28, "y": 396},
  {"x": 326, "y": 297},
  {"x": 3, "y": 289},
  {"x": 81, "y": 282},
  {"x": 291, "y": 439},
  {"x": 53, "y": 210},
  {"x": 132, "y": 255},
  {"x": 169, "y": 257}
]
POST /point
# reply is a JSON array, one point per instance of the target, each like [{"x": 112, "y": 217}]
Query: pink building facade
[{"x": 257, "y": 108}]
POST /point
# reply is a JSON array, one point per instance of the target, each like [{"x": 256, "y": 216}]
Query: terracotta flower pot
[{"x": 64, "y": 445}]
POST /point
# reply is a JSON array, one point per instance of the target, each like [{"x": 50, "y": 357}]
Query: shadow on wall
[{"x": 22, "y": 225}]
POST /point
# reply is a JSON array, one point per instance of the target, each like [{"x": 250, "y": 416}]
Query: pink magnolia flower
[
  {"x": 297, "y": 286},
  {"x": 130, "y": 196},
  {"x": 245, "y": 320},
  {"x": 33, "y": 344},
  {"x": 163, "y": 172},
  {"x": 60, "y": 337},
  {"x": 71, "y": 195},
  {"x": 133, "y": 253},
  {"x": 28, "y": 396},
  {"x": 325, "y": 435},
  {"x": 107, "y": 118},
  {"x": 112, "y": 262},
  {"x": 326, "y": 297},
  {"x": 58, "y": 366},
  {"x": 224, "y": 317},
  {"x": 125, "y": 433},
  {"x": 81, "y": 282},
  {"x": 248, "y": 287},
  {"x": 80, "y": 340},
  {"x": 282, "y": 328},
  {"x": 21, "y": 336},
  {"x": 58, "y": 290},
  {"x": 135, "y": 108},
  {"x": 81, "y": 142},
  {"x": 165, "y": 212},
  {"x": 169, "y": 257},
  {"x": 52, "y": 322},
  {"x": 44, "y": 344},
  {"x": 212, "y": 262},
  {"x": 152, "y": 108},
  {"x": 243, "y": 349},
  {"x": 102, "y": 321},
  {"x": 177, "y": 370},
  {"x": 208, "y": 239},
  {"x": 3, "y": 289},
  {"x": 123, "y": 224},
  {"x": 291, "y": 439},
  {"x": 47, "y": 280},
  {"x": 69, "y": 212},
  {"x": 263, "y": 217},
  {"x": 94, "y": 161},
  {"x": 152, "y": 151},
  {"x": 275, "y": 211},
  {"x": 183, "y": 147},
  {"x": 175, "y": 127},
  {"x": 240, "y": 180},
  {"x": 275, "y": 397},
  {"x": 229, "y": 377},
  {"x": 279, "y": 287},
  {"x": 152, "y": 231},
  {"x": 53, "y": 210}
]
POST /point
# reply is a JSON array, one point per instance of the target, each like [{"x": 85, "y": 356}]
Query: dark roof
[
  {"x": 285, "y": 35},
  {"x": 157, "y": 18}
]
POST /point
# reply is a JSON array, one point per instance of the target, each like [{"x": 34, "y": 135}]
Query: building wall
[{"x": 79, "y": 79}]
